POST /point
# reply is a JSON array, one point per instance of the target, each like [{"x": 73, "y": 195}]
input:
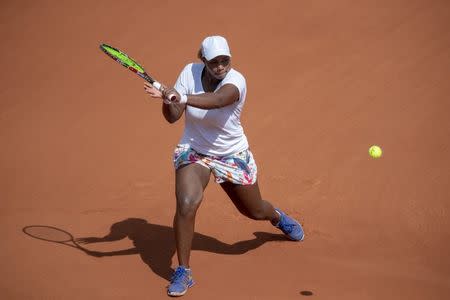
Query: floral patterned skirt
[{"x": 239, "y": 168}]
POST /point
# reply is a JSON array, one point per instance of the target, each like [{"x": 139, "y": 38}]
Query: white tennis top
[{"x": 218, "y": 131}]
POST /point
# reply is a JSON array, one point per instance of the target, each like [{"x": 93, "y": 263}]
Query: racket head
[
  {"x": 126, "y": 61},
  {"x": 48, "y": 233}
]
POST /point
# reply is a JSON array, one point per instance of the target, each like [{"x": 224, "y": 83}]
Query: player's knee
[{"x": 187, "y": 205}]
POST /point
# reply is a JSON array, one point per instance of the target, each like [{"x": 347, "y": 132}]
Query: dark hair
[{"x": 200, "y": 53}]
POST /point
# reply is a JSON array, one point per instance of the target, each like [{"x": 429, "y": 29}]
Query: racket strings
[{"x": 121, "y": 57}]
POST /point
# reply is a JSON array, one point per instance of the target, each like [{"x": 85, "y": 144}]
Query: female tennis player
[{"x": 211, "y": 95}]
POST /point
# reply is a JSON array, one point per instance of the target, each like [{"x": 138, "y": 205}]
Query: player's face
[{"x": 219, "y": 66}]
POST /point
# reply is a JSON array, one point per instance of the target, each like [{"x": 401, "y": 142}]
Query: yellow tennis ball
[{"x": 375, "y": 151}]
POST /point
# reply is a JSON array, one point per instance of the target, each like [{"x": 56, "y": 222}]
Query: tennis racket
[{"x": 133, "y": 66}]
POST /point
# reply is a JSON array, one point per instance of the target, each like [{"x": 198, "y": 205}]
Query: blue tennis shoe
[
  {"x": 290, "y": 227},
  {"x": 180, "y": 282}
]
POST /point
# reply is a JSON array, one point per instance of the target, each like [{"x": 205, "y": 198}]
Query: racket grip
[{"x": 159, "y": 86}]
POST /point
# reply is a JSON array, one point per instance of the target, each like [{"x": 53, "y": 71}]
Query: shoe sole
[{"x": 178, "y": 294}]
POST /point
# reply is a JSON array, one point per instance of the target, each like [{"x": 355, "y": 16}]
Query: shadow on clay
[{"x": 156, "y": 245}]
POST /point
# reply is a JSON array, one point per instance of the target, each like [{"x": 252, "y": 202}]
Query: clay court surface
[{"x": 82, "y": 148}]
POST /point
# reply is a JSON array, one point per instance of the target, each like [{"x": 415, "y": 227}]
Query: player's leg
[
  {"x": 191, "y": 181},
  {"x": 247, "y": 199}
]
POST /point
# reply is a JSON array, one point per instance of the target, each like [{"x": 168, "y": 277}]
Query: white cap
[{"x": 214, "y": 46}]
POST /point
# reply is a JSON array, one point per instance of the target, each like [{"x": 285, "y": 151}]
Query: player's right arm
[{"x": 172, "y": 111}]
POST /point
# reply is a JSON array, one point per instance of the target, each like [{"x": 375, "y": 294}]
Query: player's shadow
[{"x": 156, "y": 245}]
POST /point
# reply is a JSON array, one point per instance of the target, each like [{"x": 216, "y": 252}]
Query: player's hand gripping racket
[{"x": 132, "y": 65}]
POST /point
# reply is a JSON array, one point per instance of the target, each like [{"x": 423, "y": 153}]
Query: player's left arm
[{"x": 224, "y": 96}]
